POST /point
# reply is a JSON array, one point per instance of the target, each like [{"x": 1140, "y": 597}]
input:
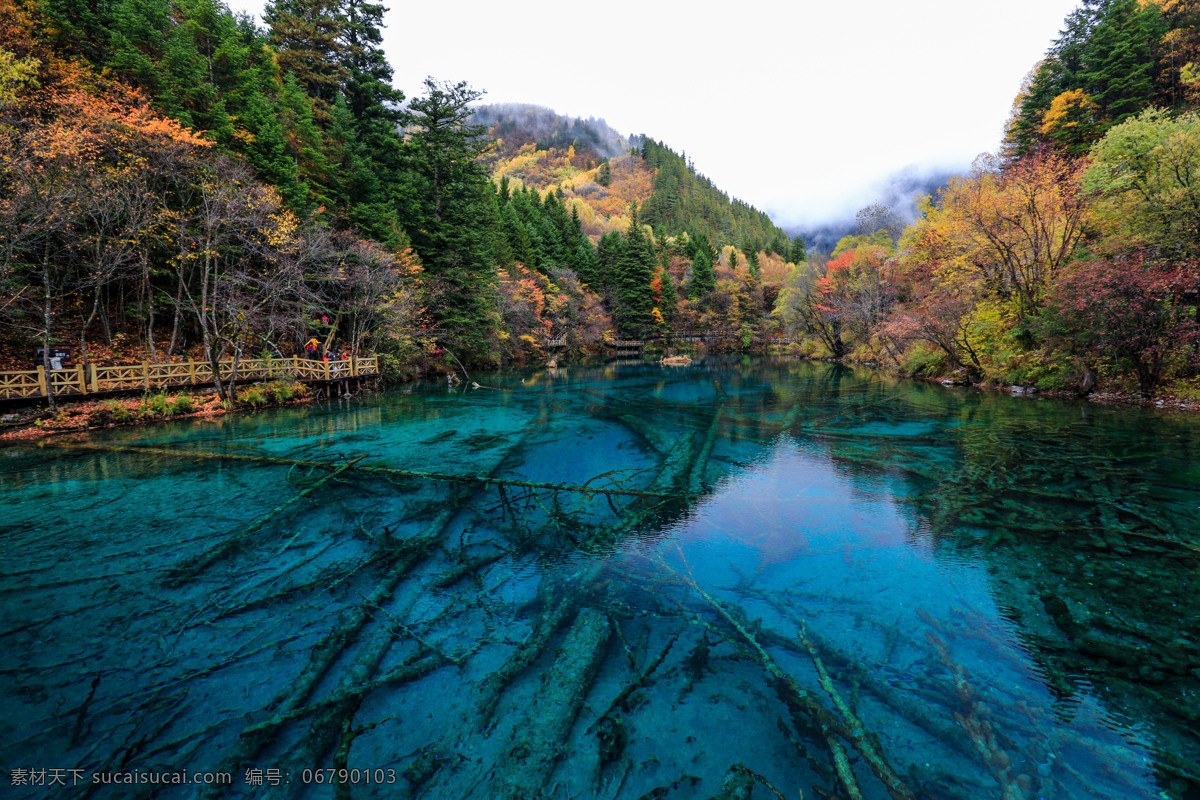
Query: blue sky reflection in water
[{"x": 1000, "y": 589}]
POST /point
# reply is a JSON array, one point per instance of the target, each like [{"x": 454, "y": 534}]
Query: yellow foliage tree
[
  {"x": 1073, "y": 121},
  {"x": 1002, "y": 232}
]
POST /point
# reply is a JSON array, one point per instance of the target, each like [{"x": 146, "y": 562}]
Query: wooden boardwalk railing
[{"x": 91, "y": 379}]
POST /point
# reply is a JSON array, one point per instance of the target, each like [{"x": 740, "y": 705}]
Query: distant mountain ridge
[{"x": 517, "y": 124}]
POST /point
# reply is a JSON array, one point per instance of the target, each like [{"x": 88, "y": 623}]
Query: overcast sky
[{"x": 798, "y": 108}]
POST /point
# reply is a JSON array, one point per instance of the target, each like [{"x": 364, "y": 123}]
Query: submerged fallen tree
[
  {"x": 355, "y": 466},
  {"x": 837, "y": 729},
  {"x": 535, "y": 747}
]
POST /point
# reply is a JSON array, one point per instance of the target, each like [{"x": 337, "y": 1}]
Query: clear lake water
[{"x": 751, "y": 577}]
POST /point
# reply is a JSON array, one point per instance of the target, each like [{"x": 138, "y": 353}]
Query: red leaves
[{"x": 1139, "y": 314}]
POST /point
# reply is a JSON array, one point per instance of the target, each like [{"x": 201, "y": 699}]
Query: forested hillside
[
  {"x": 176, "y": 180},
  {"x": 1066, "y": 262}
]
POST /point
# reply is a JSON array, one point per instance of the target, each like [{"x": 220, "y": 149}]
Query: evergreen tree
[
  {"x": 369, "y": 90},
  {"x": 1118, "y": 66},
  {"x": 586, "y": 263},
  {"x": 608, "y": 253},
  {"x": 268, "y": 153},
  {"x": 357, "y": 183},
  {"x": 137, "y": 34},
  {"x": 515, "y": 235},
  {"x": 451, "y": 217},
  {"x": 79, "y": 27},
  {"x": 604, "y": 174},
  {"x": 703, "y": 281},
  {"x": 798, "y": 253},
  {"x": 635, "y": 271},
  {"x": 306, "y": 143},
  {"x": 669, "y": 296},
  {"x": 308, "y": 35}
]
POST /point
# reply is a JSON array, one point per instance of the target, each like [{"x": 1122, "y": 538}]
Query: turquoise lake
[{"x": 746, "y": 578}]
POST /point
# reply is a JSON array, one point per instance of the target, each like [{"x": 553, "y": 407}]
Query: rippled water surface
[{"x": 744, "y": 578}]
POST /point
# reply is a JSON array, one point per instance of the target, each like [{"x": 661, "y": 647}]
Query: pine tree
[
  {"x": 451, "y": 218},
  {"x": 306, "y": 143},
  {"x": 268, "y": 153},
  {"x": 667, "y": 286},
  {"x": 308, "y": 35},
  {"x": 635, "y": 271},
  {"x": 1118, "y": 66},
  {"x": 368, "y": 87},
  {"x": 798, "y": 253},
  {"x": 608, "y": 253},
  {"x": 357, "y": 182},
  {"x": 752, "y": 260},
  {"x": 604, "y": 174},
  {"x": 703, "y": 281}
]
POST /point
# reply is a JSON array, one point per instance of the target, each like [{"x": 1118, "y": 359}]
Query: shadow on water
[{"x": 579, "y": 582}]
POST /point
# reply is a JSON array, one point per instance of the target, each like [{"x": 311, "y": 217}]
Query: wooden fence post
[
  {"x": 192, "y": 371},
  {"x": 95, "y": 384},
  {"x": 146, "y": 374},
  {"x": 295, "y": 366},
  {"x": 354, "y": 366},
  {"x": 41, "y": 372},
  {"x": 82, "y": 380}
]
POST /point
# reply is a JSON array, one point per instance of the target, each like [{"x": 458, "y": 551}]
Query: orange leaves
[
  {"x": 656, "y": 288},
  {"x": 523, "y": 298}
]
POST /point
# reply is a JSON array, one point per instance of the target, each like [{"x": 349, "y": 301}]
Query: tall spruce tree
[
  {"x": 635, "y": 271},
  {"x": 451, "y": 218},
  {"x": 608, "y": 254},
  {"x": 798, "y": 253},
  {"x": 667, "y": 287},
  {"x": 308, "y": 35},
  {"x": 703, "y": 281}
]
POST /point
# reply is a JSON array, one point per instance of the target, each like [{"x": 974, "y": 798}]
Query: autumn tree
[
  {"x": 1131, "y": 314},
  {"x": 241, "y": 267},
  {"x": 857, "y": 289},
  {"x": 1072, "y": 121},
  {"x": 802, "y": 310},
  {"x": 373, "y": 288},
  {"x": 878, "y": 217},
  {"x": 1010, "y": 230},
  {"x": 1146, "y": 175},
  {"x": 76, "y": 202}
]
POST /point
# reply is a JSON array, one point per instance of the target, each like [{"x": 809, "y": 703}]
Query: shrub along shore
[{"x": 151, "y": 407}]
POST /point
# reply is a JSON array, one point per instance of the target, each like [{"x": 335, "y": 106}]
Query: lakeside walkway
[{"x": 92, "y": 380}]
